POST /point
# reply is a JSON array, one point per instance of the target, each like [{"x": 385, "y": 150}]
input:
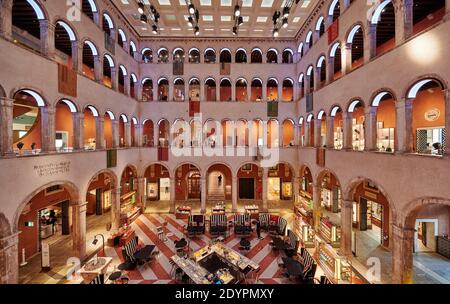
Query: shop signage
[
  {"x": 432, "y": 114},
  {"x": 45, "y": 254},
  {"x": 52, "y": 169}
]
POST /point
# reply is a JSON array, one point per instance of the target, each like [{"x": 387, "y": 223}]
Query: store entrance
[
  {"x": 194, "y": 186},
  {"x": 54, "y": 223},
  {"x": 425, "y": 235},
  {"x": 164, "y": 189},
  {"x": 247, "y": 188},
  {"x": 273, "y": 188},
  {"x": 216, "y": 186}
]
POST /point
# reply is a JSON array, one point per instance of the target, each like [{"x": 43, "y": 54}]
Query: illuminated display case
[
  {"x": 330, "y": 232},
  {"x": 336, "y": 267}
]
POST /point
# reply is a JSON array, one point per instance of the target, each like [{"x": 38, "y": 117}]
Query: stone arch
[{"x": 410, "y": 211}]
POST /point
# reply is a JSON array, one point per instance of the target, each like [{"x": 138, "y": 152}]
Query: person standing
[{"x": 258, "y": 229}]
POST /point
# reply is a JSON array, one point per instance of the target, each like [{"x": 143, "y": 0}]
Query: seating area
[
  {"x": 218, "y": 224},
  {"x": 273, "y": 224},
  {"x": 242, "y": 225},
  {"x": 196, "y": 225}
]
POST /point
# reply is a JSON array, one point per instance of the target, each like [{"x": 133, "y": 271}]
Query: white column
[
  {"x": 296, "y": 135},
  {"x": 6, "y": 123},
  {"x": 264, "y": 91},
  {"x": 280, "y": 90},
  {"x": 171, "y": 89},
  {"x": 99, "y": 133},
  {"x": 233, "y": 90},
  {"x": 234, "y": 193},
  {"x": 78, "y": 131},
  {"x": 79, "y": 228}
]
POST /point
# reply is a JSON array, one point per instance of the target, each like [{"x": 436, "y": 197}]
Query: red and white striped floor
[{"x": 158, "y": 271}]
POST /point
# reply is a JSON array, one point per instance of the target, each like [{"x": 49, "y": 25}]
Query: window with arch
[
  {"x": 122, "y": 39},
  {"x": 241, "y": 89},
  {"x": 256, "y": 56},
  {"x": 89, "y": 54},
  {"x": 309, "y": 39},
  {"x": 163, "y": 55},
  {"x": 338, "y": 128},
  {"x": 225, "y": 56},
  {"x": 225, "y": 90},
  {"x": 288, "y": 90},
  {"x": 356, "y": 112},
  {"x": 241, "y": 56},
  {"x": 147, "y": 89},
  {"x": 426, "y": 14},
  {"x": 179, "y": 90},
  {"x": 108, "y": 66},
  {"x": 301, "y": 85},
  {"x": 210, "y": 89},
  {"x": 133, "y": 49},
  {"x": 27, "y": 18},
  {"x": 89, "y": 8},
  {"x": 384, "y": 20},
  {"x": 194, "y": 89},
  {"x": 147, "y": 55},
  {"x": 322, "y": 66},
  {"x": 257, "y": 90},
  {"x": 272, "y": 56},
  {"x": 335, "y": 11},
  {"x": 383, "y": 107},
  {"x": 310, "y": 73},
  {"x": 336, "y": 60},
  {"x": 178, "y": 55},
  {"x": 133, "y": 81},
  {"x": 91, "y": 114},
  {"x": 163, "y": 89},
  {"x": 122, "y": 78},
  {"x": 300, "y": 50},
  {"x": 210, "y": 56},
  {"x": 288, "y": 56},
  {"x": 272, "y": 89},
  {"x": 356, "y": 39},
  {"x": 194, "y": 56},
  {"x": 108, "y": 25},
  {"x": 320, "y": 26},
  {"x": 64, "y": 43}
]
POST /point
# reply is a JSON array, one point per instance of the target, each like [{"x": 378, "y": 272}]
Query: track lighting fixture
[
  {"x": 275, "y": 33},
  {"x": 154, "y": 29},
  {"x": 193, "y": 17},
  {"x": 234, "y": 30},
  {"x": 238, "y": 20},
  {"x": 190, "y": 21},
  {"x": 191, "y": 9},
  {"x": 140, "y": 8},
  {"x": 150, "y": 16},
  {"x": 281, "y": 19},
  {"x": 237, "y": 10},
  {"x": 285, "y": 23}
]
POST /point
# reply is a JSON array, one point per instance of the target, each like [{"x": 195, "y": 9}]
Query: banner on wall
[
  {"x": 67, "y": 81},
  {"x": 178, "y": 68},
  {"x": 320, "y": 157},
  {"x": 194, "y": 108},
  {"x": 111, "y": 158},
  {"x": 163, "y": 153},
  {"x": 225, "y": 68},
  {"x": 272, "y": 109},
  {"x": 110, "y": 44},
  {"x": 333, "y": 31}
]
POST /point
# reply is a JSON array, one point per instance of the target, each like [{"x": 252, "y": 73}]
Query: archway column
[
  {"x": 403, "y": 20},
  {"x": 171, "y": 91},
  {"x": 115, "y": 209},
  {"x": 264, "y": 91},
  {"x": 114, "y": 79},
  {"x": 98, "y": 69},
  {"x": 186, "y": 92},
  {"x": 127, "y": 134},
  {"x": 6, "y": 123},
  {"x": 447, "y": 122},
  {"x": 370, "y": 42},
  {"x": 317, "y": 132},
  {"x": 402, "y": 254},
  {"x": 308, "y": 83},
  {"x": 307, "y": 134},
  {"x": 249, "y": 92},
  {"x": 447, "y": 10},
  {"x": 347, "y": 58},
  {"x": 218, "y": 92},
  {"x": 330, "y": 70},
  {"x": 78, "y": 131},
  {"x": 370, "y": 129},
  {"x": 316, "y": 78},
  {"x": 9, "y": 259},
  {"x": 297, "y": 134},
  {"x": 316, "y": 206},
  {"x": 265, "y": 173},
  {"x": 404, "y": 138},
  {"x": 280, "y": 91},
  {"x": 330, "y": 132},
  {"x": 348, "y": 138},
  {"x": 346, "y": 227},
  {"x": 202, "y": 92},
  {"x": 79, "y": 228},
  {"x": 99, "y": 133},
  {"x": 233, "y": 91},
  {"x": 47, "y": 38},
  {"x": 142, "y": 196},
  {"x": 203, "y": 195},
  {"x": 115, "y": 134},
  {"x": 172, "y": 195},
  {"x": 77, "y": 57},
  {"x": 6, "y": 19},
  {"x": 234, "y": 192},
  {"x": 126, "y": 85},
  {"x": 138, "y": 135},
  {"x": 48, "y": 131},
  {"x": 139, "y": 87}
]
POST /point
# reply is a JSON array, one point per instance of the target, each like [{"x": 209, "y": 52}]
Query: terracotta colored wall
[
  {"x": 148, "y": 130},
  {"x": 426, "y": 100},
  {"x": 281, "y": 173},
  {"x": 159, "y": 173},
  {"x": 121, "y": 133},
  {"x": 90, "y": 198},
  {"x": 225, "y": 93},
  {"x": 288, "y": 93},
  {"x": 288, "y": 132},
  {"x": 386, "y": 113},
  {"x": 28, "y": 238},
  {"x": 89, "y": 126},
  {"x": 181, "y": 187},
  {"x": 64, "y": 122},
  {"x": 107, "y": 129}
]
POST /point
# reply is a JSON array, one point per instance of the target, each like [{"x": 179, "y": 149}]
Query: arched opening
[
  {"x": 64, "y": 125},
  {"x": 90, "y": 128},
  {"x": 330, "y": 208},
  {"x": 288, "y": 90},
  {"x": 178, "y": 55},
  {"x": 163, "y": 133},
  {"x": 227, "y": 132},
  {"x": 107, "y": 129},
  {"x": 89, "y": 54},
  {"x": 241, "y": 90},
  {"x": 336, "y": 56},
  {"x": 196, "y": 130},
  {"x": 300, "y": 50},
  {"x": 64, "y": 40},
  {"x": 322, "y": 117},
  {"x": 210, "y": 56},
  {"x": 48, "y": 217},
  {"x": 225, "y": 89},
  {"x": 122, "y": 39},
  {"x": 27, "y": 122},
  {"x": 89, "y": 8},
  {"x": 132, "y": 49},
  {"x": 426, "y": 14},
  {"x": 309, "y": 40},
  {"x": 322, "y": 66},
  {"x": 356, "y": 111},
  {"x": 273, "y": 133},
  {"x": 241, "y": 56},
  {"x": 188, "y": 186},
  {"x": 108, "y": 25},
  {"x": 158, "y": 186},
  {"x": 250, "y": 183},
  {"x": 147, "y": 55},
  {"x": 194, "y": 56},
  {"x": 335, "y": 11},
  {"x": 147, "y": 133},
  {"x": 129, "y": 209},
  {"x": 288, "y": 56},
  {"x": 212, "y": 132},
  {"x": 163, "y": 55},
  {"x": 147, "y": 89},
  {"x": 108, "y": 65},
  {"x": 301, "y": 126},
  {"x": 288, "y": 133},
  {"x": 133, "y": 81},
  {"x": 384, "y": 105},
  {"x": 320, "y": 26},
  {"x": 210, "y": 90},
  {"x": 338, "y": 128},
  {"x": 163, "y": 89},
  {"x": 181, "y": 134},
  {"x": 122, "y": 78},
  {"x": 133, "y": 123},
  {"x": 272, "y": 56},
  {"x": 370, "y": 221},
  {"x": 194, "y": 89},
  {"x": 280, "y": 185},
  {"x": 256, "y": 133},
  {"x": 256, "y": 56},
  {"x": 123, "y": 120},
  {"x": 310, "y": 73},
  {"x": 272, "y": 89},
  {"x": 384, "y": 18},
  {"x": 428, "y": 117},
  {"x": 356, "y": 39},
  {"x": 26, "y": 20},
  {"x": 429, "y": 222},
  {"x": 225, "y": 56},
  {"x": 301, "y": 85},
  {"x": 312, "y": 131},
  {"x": 257, "y": 90},
  {"x": 219, "y": 185},
  {"x": 304, "y": 208},
  {"x": 178, "y": 89},
  {"x": 242, "y": 133}
]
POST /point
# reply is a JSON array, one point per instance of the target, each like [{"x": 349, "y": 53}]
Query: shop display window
[
  {"x": 357, "y": 135},
  {"x": 385, "y": 138}
]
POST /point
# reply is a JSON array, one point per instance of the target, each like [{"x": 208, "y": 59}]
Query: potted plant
[{"x": 20, "y": 146}]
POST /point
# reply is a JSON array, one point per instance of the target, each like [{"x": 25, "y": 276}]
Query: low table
[{"x": 144, "y": 253}]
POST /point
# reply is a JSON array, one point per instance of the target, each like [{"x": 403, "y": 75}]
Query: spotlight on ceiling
[
  {"x": 191, "y": 9},
  {"x": 154, "y": 29},
  {"x": 141, "y": 8},
  {"x": 144, "y": 18},
  {"x": 197, "y": 31},
  {"x": 275, "y": 33},
  {"x": 285, "y": 22},
  {"x": 190, "y": 21},
  {"x": 286, "y": 11},
  {"x": 237, "y": 11},
  {"x": 240, "y": 20},
  {"x": 235, "y": 30}
]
